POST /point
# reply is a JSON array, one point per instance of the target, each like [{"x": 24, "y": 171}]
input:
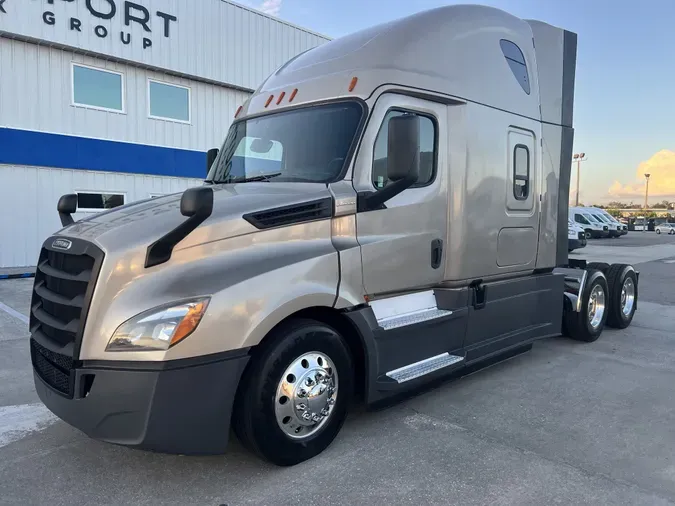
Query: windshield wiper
[{"x": 262, "y": 177}]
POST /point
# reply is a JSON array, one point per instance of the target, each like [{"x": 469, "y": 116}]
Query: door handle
[{"x": 436, "y": 253}]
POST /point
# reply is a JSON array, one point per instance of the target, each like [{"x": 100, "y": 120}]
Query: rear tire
[
  {"x": 587, "y": 324},
  {"x": 267, "y": 417},
  {"x": 601, "y": 266},
  {"x": 658, "y": 231},
  {"x": 623, "y": 295}
]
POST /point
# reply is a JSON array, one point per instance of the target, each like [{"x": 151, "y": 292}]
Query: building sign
[
  {"x": 206, "y": 39},
  {"x": 98, "y": 12}
]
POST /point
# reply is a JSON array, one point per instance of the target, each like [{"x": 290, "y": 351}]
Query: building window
[
  {"x": 169, "y": 101},
  {"x": 95, "y": 201},
  {"x": 521, "y": 172},
  {"x": 516, "y": 60},
  {"x": 97, "y": 88},
  {"x": 427, "y": 151}
]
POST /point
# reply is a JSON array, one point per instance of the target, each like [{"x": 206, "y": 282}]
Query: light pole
[
  {"x": 579, "y": 157},
  {"x": 644, "y": 229}
]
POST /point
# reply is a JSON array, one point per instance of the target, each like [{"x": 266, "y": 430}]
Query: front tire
[
  {"x": 587, "y": 324},
  {"x": 623, "y": 295},
  {"x": 658, "y": 231},
  {"x": 294, "y": 395}
]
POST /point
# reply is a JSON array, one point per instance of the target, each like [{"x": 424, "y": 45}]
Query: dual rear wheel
[{"x": 609, "y": 298}]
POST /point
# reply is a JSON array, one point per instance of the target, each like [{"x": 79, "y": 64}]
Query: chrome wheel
[
  {"x": 306, "y": 395},
  {"x": 627, "y": 297},
  {"x": 596, "y": 306}
]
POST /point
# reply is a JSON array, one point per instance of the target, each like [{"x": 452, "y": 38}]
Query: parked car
[{"x": 666, "y": 228}]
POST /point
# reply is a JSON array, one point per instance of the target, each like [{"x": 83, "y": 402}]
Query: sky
[{"x": 624, "y": 94}]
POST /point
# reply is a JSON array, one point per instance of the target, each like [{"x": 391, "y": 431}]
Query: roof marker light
[
  {"x": 295, "y": 92},
  {"x": 352, "y": 85},
  {"x": 269, "y": 100},
  {"x": 238, "y": 110},
  {"x": 281, "y": 97}
]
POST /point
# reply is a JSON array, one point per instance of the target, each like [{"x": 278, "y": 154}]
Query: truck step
[
  {"x": 424, "y": 367},
  {"x": 406, "y": 319},
  {"x": 404, "y": 310}
]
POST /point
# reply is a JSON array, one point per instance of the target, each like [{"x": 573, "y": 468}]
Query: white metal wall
[
  {"x": 211, "y": 39},
  {"x": 36, "y": 94},
  {"x": 28, "y": 197}
]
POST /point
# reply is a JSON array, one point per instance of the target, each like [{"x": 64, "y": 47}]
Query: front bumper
[
  {"x": 573, "y": 244},
  {"x": 181, "y": 407}
]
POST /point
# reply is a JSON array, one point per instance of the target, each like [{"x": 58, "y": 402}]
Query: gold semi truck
[{"x": 387, "y": 209}]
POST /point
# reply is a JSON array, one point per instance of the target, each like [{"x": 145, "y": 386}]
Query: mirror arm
[
  {"x": 160, "y": 251},
  {"x": 66, "y": 219},
  {"x": 373, "y": 201}
]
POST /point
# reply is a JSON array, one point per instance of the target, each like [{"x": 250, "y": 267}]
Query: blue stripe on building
[{"x": 23, "y": 147}]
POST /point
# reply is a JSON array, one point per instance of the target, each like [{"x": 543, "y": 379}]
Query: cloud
[
  {"x": 661, "y": 166},
  {"x": 272, "y": 7}
]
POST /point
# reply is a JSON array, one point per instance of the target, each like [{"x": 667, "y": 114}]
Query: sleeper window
[
  {"x": 516, "y": 61},
  {"x": 427, "y": 151},
  {"x": 521, "y": 172}
]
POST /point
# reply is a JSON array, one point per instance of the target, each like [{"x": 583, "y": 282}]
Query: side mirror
[
  {"x": 211, "y": 156},
  {"x": 197, "y": 201},
  {"x": 66, "y": 206},
  {"x": 197, "y": 205},
  {"x": 403, "y": 148},
  {"x": 403, "y": 161}
]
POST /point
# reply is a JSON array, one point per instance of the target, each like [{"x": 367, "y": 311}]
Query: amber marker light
[
  {"x": 190, "y": 321},
  {"x": 293, "y": 94},
  {"x": 269, "y": 100},
  {"x": 352, "y": 85},
  {"x": 238, "y": 110},
  {"x": 281, "y": 97}
]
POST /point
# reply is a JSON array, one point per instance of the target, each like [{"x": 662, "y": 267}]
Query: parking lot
[{"x": 566, "y": 423}]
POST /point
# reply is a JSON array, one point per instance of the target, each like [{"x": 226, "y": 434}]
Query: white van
[
  {"x": 594, "y": 227},
  {"x": 615, "y": 228},
  {"x": 576, "y": 236}
]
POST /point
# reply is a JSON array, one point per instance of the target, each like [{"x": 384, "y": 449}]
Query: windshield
[
  {"x": 602, "y": 218},
  {"x": 580, "y": 218},
  {"x": 306, "y": 145},
  {"x": 592, "y": 218}
]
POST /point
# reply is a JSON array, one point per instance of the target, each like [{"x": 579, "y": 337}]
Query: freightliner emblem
[{"x": 63, "y": 244}]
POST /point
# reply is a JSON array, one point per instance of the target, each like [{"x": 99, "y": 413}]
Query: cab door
[{"x": 403, "y": 243}]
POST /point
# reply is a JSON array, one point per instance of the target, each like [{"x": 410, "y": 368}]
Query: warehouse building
[{"x": 119, "y": 101}]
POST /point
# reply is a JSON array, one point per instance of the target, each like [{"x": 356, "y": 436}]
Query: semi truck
[{"x": 387, "y": 210}]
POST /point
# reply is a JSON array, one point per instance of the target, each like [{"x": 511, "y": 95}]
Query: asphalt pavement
[{"x": 566, "y": 423}]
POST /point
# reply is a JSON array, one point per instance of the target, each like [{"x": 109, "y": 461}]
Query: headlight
[{"x": 159, "y": 328}]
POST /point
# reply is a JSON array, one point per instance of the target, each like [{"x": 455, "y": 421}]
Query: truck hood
[{"x": 142, "y": 223}]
